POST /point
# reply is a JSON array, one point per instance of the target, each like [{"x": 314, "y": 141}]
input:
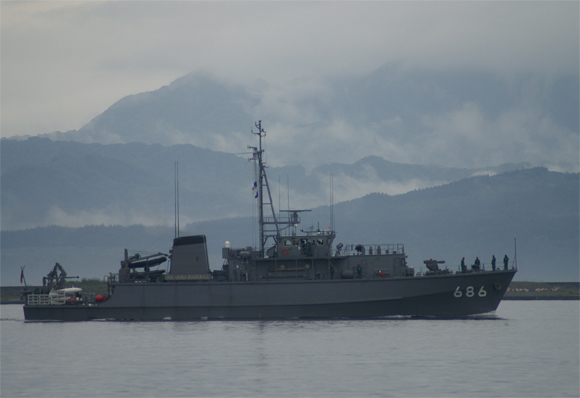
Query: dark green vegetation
[
  {"x": 89, "y": 285},
  {"x": 543, "y": 291}
]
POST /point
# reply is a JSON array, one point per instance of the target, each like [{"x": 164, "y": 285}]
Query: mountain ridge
[
  {"x": 475, "y": 216},
  {"x": 44, "y": 181},
  {"x": 448, "y": 118}
]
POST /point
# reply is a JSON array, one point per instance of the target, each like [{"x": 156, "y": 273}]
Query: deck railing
[
  {"x": 383, "y": 248},
  {"x": 47, "y": 299},
  {"x": 39, "y": 299}
]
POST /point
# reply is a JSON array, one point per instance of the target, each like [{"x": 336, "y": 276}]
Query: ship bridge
[{"x": 310, "y": 244}]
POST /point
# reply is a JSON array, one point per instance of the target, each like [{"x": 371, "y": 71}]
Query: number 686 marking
[{"x": 469, "y": 292}]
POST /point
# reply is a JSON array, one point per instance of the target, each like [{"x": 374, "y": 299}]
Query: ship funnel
[{"x": 189, "y": 256}]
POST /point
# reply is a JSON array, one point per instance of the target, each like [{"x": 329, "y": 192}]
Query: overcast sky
[{"x": 64, "y": 63}]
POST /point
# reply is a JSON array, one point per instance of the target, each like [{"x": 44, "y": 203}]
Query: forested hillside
[
  {"x": 477, "y": 216},
  {"x": 63, "y": 183}
]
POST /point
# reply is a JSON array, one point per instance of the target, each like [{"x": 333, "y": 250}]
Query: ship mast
[{"x": 263, "y": 181}]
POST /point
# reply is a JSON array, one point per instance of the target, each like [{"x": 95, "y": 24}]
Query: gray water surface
[{"x": 524, "y": 349}]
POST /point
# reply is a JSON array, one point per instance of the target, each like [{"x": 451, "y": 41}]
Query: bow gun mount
[{"x": 433, "y": 268}]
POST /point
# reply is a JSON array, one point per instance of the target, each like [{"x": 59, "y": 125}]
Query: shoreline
[{"x": 537, "y": 298}]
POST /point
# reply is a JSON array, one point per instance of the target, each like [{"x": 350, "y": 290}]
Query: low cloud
[
  {"x": 484, "y": 173},
  {"x": 93, "y": 53},
  {"x": 348, "y": 188},
  {"x": 76, "y": 219},
  {"x": 466, "y": 137}
]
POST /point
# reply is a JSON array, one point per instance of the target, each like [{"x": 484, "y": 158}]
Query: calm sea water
[{"x": 524, "y": 349}]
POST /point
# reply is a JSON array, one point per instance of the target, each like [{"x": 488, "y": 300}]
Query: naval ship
[{"x": 293, "y": 274}]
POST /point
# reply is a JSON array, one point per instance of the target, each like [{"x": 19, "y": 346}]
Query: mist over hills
[
  {"x": 439, "y": 161},
  {"x": 74, "y": 184},
  {"x": 476, "y": 216},
  {"x": 67, "y": 183},
  {"x": 452, "y": 118}
]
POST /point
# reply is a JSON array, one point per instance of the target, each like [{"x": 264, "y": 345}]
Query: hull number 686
[{"x": 469, "y": 292}]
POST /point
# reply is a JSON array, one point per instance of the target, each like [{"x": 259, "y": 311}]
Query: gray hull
[{"x": 449, "y": 296}]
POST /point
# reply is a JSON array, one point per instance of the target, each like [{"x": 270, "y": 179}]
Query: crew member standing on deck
[
  {"x": 493, "y": 262},
  {"x": 463, "y": 267},
  {"x": 505, "y": 262},
  {"x": 476, "y": 265}
]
